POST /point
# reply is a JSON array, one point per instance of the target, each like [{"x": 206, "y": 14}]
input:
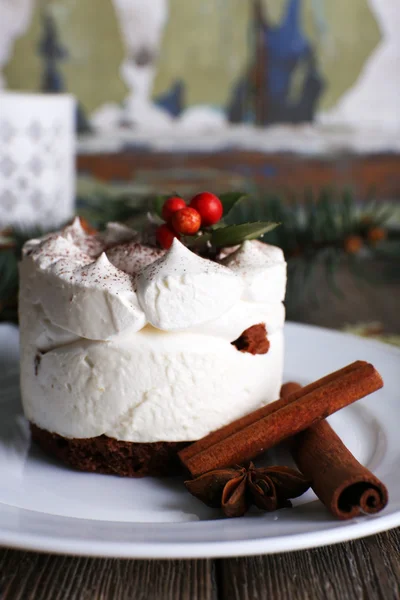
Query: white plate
[{"x": 46, "y": 506}]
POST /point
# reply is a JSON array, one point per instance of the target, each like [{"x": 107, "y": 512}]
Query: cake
[{"x": 130, "y": 352}]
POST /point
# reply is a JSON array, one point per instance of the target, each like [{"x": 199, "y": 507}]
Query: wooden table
[{"x": 367, "y": 569}]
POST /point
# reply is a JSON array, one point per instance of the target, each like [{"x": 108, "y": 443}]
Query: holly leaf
[
  {"x": 248, "y": 209},
  {"x": 229, "y": 200},
  {"x": 198, "y": 243},
  {"x": 236, "y": 234},
  {"x": 158, "y": 203}
]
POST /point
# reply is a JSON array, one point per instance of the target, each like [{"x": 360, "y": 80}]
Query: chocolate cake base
[{"x": 106, "y": 455}]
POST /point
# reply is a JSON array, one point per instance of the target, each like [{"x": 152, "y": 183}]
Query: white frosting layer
[
  {"x": 243, "y": 315},
  {"x": 148, "y": 386},
  {"x": 92, "y": 364},
  {"x": 263, "y": 270},
  {"x": 90, "y": 298},
  {"x": 133, "y": 257},
  {"x": 182, "y": 289}
]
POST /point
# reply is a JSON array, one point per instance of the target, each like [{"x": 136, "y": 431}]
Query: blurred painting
[{"x": 273, "y": 75}]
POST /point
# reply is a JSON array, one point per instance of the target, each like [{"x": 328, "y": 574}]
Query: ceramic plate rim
[{"x": 54, "y": 543}]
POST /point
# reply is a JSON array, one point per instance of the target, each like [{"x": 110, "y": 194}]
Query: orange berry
[
  {"x": 352, "y": 244},
  {"x": 186, "y": 221},
  {"x": 86, "y": 226},
  {"x": 376, "y": 234}
]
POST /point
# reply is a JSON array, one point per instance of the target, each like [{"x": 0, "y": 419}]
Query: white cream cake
[{"x": 135, "y": 343}]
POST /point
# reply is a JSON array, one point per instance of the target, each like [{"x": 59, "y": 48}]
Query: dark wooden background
[{"x": 377, "y": 174}]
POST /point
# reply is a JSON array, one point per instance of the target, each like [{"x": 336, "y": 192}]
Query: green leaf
[
  {"x": 229, "y": 200},
  {"x": 198, "y": 243},
  {"x": 235, "y": 234},
  {"x": 158, "y": 203},
  {"x": 249, "y": 209}
]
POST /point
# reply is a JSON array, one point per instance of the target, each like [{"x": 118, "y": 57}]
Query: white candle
[{"x": 37, "y": 159}]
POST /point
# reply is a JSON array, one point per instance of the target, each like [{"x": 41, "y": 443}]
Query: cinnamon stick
[
  {"x": 347, "y": 488},
  {"x": 246, "y": 438},
  {"x": 224, "y": 432}
]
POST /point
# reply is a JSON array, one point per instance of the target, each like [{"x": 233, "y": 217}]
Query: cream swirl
[
  {"x": 133, "y": 257},
  {"x": 96, "y": 295},
  {"x": 181, "y": 289},
  {"x": 88, "y": 297},
  {"x": 263, "y": 270}
]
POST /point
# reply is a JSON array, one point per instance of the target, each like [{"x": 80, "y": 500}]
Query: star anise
[{"x": 236, "y": 489}]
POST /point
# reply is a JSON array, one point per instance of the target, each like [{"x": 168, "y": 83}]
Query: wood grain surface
[
  {"x": 31, "y": 576},
  {"x": 279, "y": 171},
  {"x": 367, "y": 569}
]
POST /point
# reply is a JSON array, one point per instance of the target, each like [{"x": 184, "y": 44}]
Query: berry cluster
[{"x": 205, "y": 209}]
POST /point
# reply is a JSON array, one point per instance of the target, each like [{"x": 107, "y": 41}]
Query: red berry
[
  {"x": 165, "y": 236},
  {"x": 86, "y": 226},
  {"x": 209, "y": 206},
  {"x": 186, "y": 221},
  {"x": 172, "y": 205}
]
